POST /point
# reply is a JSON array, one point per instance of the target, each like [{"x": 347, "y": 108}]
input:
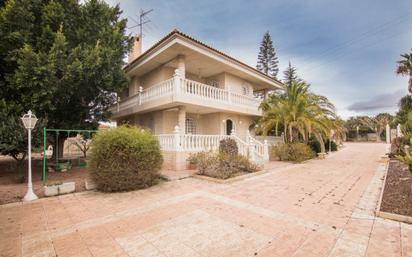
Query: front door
[{"x": 229, "y": 127}]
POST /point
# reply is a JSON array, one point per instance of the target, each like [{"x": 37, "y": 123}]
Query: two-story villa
[{"x": 191, "y": 96}]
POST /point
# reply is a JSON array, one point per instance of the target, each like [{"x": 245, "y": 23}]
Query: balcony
[{"x": 180, "y": 91}]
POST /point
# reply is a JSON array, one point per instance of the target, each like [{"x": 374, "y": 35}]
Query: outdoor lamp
[{"x": 29, "y": 121}]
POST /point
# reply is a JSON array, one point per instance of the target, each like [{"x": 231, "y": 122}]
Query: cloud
[{"x": 378, "y": 102}]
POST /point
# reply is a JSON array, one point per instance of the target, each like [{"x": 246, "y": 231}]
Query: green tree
[
  {"x": 14, "y": 137},
  {"x": 267, "y": 59},
  {"x": 377, "y": 123},
  {"x": 61, "y": 59},
  {"x": 290, "y": 75},
  {"x": 405, "y": 107},
  {"x": 405, "y": 68},
  {"x": 301, "y": 113}
]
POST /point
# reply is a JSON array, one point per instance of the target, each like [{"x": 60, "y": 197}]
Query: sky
[{"x": 347, "y": 50}]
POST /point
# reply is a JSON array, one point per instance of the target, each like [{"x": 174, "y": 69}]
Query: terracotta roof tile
[{"x": 177, "y": 32}]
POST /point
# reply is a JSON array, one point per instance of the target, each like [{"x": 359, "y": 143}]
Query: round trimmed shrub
[
  {"x": 124, "y": 158},
  {"x": 228, "y": 146},
  {"x": 293, "y": 152}
]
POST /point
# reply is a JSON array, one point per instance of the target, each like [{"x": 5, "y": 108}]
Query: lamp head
[{"x": 29, "y": 120}]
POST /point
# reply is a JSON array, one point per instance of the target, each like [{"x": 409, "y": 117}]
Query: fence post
[
  {"x": 266, "y": 150},
  {"x": 398, "y": 131},
  {"x": 388, "y": 134},
  {"x": 177, "y": 137},
  {"x": 177, "y": 78}
]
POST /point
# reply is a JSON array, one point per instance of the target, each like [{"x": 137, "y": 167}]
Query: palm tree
[
  {"x": 301, "y": 113},
  {"x": 405, "y": 68},
  {"x": 377, "y": 123}
]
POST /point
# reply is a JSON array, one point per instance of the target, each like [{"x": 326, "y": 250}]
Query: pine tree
[
  {"x": 289, "y": 75},
  {"x": 267, "y": 59}
]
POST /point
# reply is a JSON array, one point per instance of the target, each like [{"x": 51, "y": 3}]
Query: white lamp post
[{"x": 29, "y": 121}]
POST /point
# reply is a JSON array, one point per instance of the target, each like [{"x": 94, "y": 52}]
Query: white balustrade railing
[
  {"x": 167, "y": 142},
  {"x": 240, "y": 99},
  {"x": 180, "y": 86},
  {"x": 200, "y": 142},
  {"x": 252, "y": 149},
  {"x": 204, "y": 91},
  {"x": 161, "y": 89},
  {"x": 128, "y": 102},
  {"x": 242, "y": 146},
  {"x": 259, "y": 146},
  {"x": 164, "y": 88}
]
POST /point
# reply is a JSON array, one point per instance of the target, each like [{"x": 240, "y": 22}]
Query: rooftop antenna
[{"x": 142, "y": 20}]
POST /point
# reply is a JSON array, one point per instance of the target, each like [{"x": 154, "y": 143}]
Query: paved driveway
[{"x": 319, "y": 208}]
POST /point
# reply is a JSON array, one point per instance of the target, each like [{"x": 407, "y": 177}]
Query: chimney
[{"x": 136, "y": 49}]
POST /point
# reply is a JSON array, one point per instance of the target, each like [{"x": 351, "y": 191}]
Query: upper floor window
[
  {"x": 190, "y": 125},
  {"x": 245, "y": 90},
  {"x": 212, "y": 83}
]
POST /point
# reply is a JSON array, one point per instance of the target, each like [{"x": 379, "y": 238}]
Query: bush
[
  {"x": 315, "y": 145},
  {"x": 397, "y": 147},
  {"x": 406, "y": 159},
  {"x": 294, "y": 152},
  {"x": 228, "y": 146},
  {"x": 221, "y": 165},
  {"x": 124, "y": 158}
]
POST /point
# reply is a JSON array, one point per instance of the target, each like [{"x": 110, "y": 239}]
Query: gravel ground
[{"x": 397, "y": 194}]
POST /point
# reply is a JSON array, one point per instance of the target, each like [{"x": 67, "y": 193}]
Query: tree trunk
[
  {"x": 290, "y": 133},
  {"x": 378, "y": 135},
  {"x": 410, "y": 84},
  {"x": 20, "y": 165},
  {"x": 321, "y": 142}
]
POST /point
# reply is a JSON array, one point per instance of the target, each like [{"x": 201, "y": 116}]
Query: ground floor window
[{"x": 190, "y": 125}]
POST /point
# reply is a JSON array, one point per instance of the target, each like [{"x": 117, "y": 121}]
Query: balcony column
[
  {"x": 181, "y": 117},
  {"x": 181, "y": 65},
  {"x": 265, "y": 94},
  {"x": 140, "y": 95}
]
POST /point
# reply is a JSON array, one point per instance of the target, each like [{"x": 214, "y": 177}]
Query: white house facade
[{"x": 191, "y": 96}]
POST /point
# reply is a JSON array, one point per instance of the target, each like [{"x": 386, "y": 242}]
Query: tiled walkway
[{"x": 319, "y": 208}]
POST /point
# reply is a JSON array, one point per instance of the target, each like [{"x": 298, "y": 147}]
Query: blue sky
[{"x": 347, "y": 49}]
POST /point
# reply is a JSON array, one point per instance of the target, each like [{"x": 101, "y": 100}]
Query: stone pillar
[
  {"x": 140, "y": 95},
  {"x": 266, "y": 150},
  {"x": 398, "y": 131},
  {"x": 265, "y": 94},
  {"x": 181, "y": 119},
  {"x": 181, "y": 65},
  {"x": 388, "y": 134},
  {"x": 177, "y": 82},
  {"x": 176, "y": 133}
]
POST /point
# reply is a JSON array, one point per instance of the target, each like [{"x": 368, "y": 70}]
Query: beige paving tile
[{"x": 319, "y": 208}]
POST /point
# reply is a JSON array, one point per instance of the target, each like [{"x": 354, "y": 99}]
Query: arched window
[
  {"x": 229, "y": 127},
  {"x": 190, "y": 125}
]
